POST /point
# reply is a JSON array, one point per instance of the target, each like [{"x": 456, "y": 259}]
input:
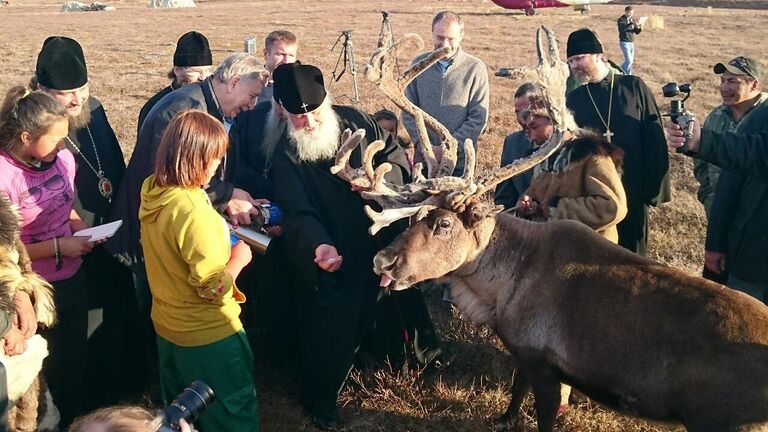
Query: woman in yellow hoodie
[{"x": 192, "y": 270}]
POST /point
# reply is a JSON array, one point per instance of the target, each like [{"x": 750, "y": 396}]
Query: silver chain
[{"x": 99, "y": 173}]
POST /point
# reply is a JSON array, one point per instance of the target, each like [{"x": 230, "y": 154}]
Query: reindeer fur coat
[{"x": 582, "y": 182}]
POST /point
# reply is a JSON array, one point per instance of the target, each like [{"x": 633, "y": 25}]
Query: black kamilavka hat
[
  {"x": 298, "y": 88},
  {"x": 583, "y": 41},
  {"x": 61, "y": 64},
  {"x": 192, "y": 50}
]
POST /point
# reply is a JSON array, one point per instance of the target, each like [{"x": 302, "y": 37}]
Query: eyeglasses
[{"x": 34, "y": 193}]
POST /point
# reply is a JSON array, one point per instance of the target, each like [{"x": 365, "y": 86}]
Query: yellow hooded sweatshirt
[{"x": 186, "y": 246}]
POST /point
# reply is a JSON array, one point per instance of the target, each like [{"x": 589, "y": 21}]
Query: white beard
[{"x": 320, "y": 144}]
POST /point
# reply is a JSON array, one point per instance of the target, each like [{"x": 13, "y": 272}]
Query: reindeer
[{"x": 633, "y": 334}]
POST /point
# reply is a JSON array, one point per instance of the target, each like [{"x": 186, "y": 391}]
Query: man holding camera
[
  {"x": 740, "y": 81},
  {"x": 622, "y": 108},
  {"x": 743, "y": 151},
  {"x": 628, "y": 28}
]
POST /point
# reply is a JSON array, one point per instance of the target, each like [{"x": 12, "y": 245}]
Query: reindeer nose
[{"x": 384, "y": 262}]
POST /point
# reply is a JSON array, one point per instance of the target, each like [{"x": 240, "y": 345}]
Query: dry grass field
[{"x": 130, "y": 50}]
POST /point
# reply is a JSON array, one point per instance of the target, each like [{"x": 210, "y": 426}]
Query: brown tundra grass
[{"x": 129, "y": 51}]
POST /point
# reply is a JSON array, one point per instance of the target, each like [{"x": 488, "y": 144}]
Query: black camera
[
  {"x": 677, "y": 112},
  {"x": 187, "y": 405}
]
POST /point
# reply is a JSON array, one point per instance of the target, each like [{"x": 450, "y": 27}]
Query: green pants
[{"x": 227, "y": 367}]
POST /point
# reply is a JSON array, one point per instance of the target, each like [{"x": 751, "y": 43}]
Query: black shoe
[{"x": 326, "y": 422}]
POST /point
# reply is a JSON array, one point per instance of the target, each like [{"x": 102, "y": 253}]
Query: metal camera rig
[
  {"x": 677, "y": 112},
  {"x": 346, "y": 59}
]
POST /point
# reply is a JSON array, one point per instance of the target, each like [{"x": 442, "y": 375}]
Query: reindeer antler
[
  {"x": 552, "y": 75},
  {"x": 444, "y": 190},
  {"x": 380, "y": 71}
]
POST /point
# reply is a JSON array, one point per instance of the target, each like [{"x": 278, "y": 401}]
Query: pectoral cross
[
  {"x": 304, "y": 106},
  {"x": 608, "y": 134}
]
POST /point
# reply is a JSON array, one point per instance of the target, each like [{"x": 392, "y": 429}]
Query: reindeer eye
[{"x": 444, "y": 223}]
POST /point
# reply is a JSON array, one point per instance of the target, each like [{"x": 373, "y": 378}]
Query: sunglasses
[{"x": 34, "y": 193}]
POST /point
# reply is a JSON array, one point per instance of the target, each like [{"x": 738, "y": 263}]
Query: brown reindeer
[{"x": 636, "y": 335}]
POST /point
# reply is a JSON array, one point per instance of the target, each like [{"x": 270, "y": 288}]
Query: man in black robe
[
  {"x": 326, "y": 233},
  {"x": 61, "y": 71},
  {"x": 192, "y": 62},
  {"x": 622, "y": 108}
]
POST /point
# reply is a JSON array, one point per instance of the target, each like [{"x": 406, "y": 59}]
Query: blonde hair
[
  {"x": 115, "y": 419},
  {"x": 284, "y": 36},
  {"x": 191, "y": 142}
]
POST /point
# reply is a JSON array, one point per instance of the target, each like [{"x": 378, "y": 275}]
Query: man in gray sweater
[{"x": 454, "y": 90}]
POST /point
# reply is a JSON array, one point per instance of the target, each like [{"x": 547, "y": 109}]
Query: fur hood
[{"x": 584, "y": 144}]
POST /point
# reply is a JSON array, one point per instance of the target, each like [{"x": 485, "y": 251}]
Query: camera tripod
[{"x": 346, "y": 59}]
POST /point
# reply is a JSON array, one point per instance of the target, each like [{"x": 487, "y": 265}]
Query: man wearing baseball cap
[
  {"x": 192, "y": 62},
  {"x": 621, "y": 108},
  {"x": 731, "y": 198},
  {"x": 327, "y": 240}
]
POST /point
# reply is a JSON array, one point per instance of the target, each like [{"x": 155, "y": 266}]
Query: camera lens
[{"x": 188, "y": 404}]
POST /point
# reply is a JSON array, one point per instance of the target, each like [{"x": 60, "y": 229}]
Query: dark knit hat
[
  {"x": 742, "y": 66},
  {"x": 192, "y": 50},
  {"x": 298, "y": 88},
  {"x": 61, "y": 64},
  {"x": 583, "y": 41}
]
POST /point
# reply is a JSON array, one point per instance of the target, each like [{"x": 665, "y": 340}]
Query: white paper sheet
[{"x": 100, "y": 231}]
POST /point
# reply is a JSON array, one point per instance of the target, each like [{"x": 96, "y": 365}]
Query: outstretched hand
[{"x": 327, "y": 258}]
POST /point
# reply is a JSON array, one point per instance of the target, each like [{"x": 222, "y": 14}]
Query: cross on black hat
[{"x": 298, "y": 88}]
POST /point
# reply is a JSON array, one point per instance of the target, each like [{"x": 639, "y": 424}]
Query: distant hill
[{"x": 732, "y": 4}]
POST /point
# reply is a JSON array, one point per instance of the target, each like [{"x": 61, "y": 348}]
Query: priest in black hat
[
  {"x": 622, "y": 108},
  {"x": 327, "y": 240},
  {"x": 192, "y": 62},
  {"x": 61, "y": 71}
]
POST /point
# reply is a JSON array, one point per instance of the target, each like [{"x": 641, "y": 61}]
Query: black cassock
[
  {"x": 339, "y": 308},
  {"x": 635, "y": 122},
  {"x": 110, "y": 284}
]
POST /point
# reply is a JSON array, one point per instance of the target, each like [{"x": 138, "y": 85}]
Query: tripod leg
[{"x": 353, "y": 70}]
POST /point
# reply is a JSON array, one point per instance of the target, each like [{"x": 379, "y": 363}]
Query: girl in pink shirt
[{"x": 37, "y": 173}]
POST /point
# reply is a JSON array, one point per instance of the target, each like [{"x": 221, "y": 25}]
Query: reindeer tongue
[{"x": 385, "y": 281}]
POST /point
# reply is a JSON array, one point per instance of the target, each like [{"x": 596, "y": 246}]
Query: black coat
[
  {"x": 636, "y": 122},
  {"x": 110, "y": 157},
  {"x": 254, "y": 162},
  {"x": 321, "y": 208},
  {"x": 151, "y": 104}
]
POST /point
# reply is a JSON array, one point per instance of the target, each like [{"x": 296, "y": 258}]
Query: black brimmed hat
[
  {"x": 61, "y": 64},
  {"x": 192, "y": 50},
  {"x": 583, "y": 41},
  {"x": 742, "y": 66},
  {"x": 298, "y": 88}
]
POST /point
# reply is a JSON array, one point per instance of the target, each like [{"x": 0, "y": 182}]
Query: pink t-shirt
[{"x": 45, "y": 200}]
